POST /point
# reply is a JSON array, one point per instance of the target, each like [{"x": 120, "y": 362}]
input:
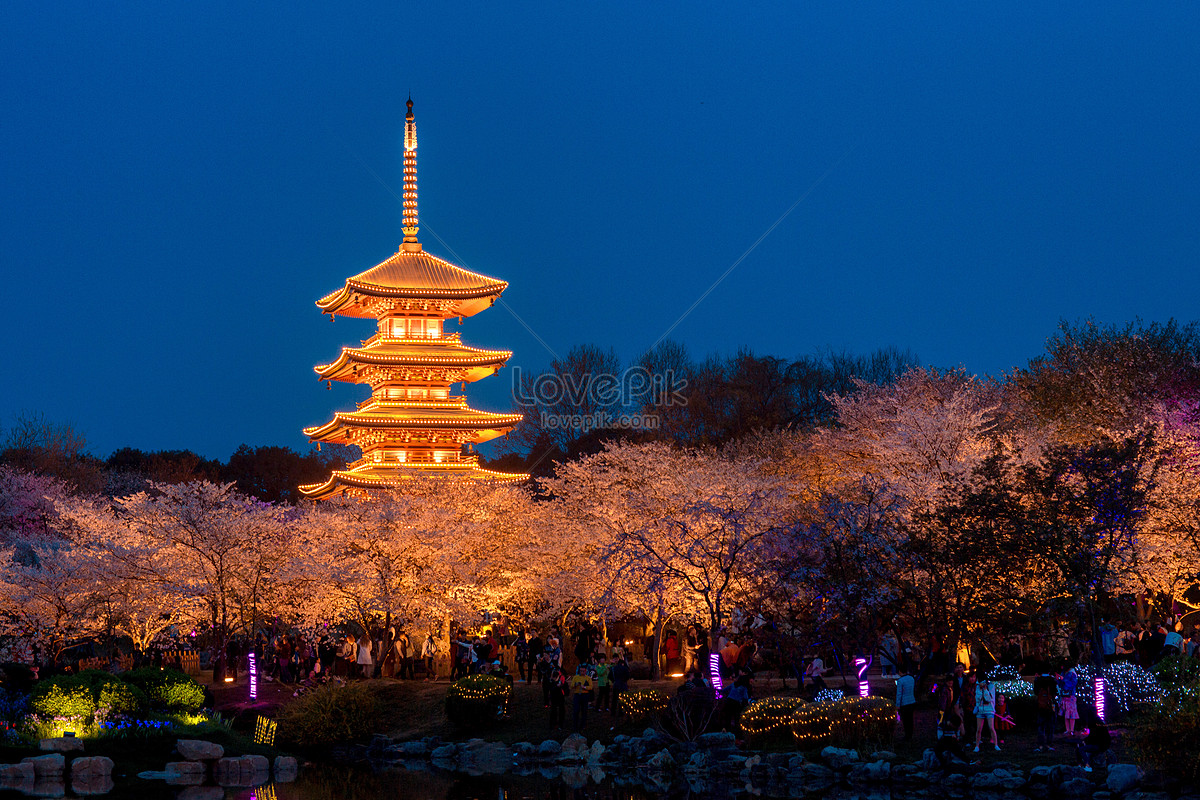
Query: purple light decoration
[
  {"x": 714, "y": 669},
  {"x": 1098, "y": 687},
  {"x": 252, "y": 663},
  {"x": 860, "y": 667}
]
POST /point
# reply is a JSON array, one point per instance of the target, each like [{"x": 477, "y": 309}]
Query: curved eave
[
  {"x": 347, "y": 301},
  {"x": 486, "y": 425},
  {"x": 343, "y": 368},
  {"x": 341, "y": 480}
]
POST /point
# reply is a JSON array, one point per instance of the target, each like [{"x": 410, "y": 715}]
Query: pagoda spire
[{"x": 410, "y": 243}]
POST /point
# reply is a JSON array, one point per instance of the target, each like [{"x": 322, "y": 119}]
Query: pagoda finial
[{"x": 410, "y": 182}]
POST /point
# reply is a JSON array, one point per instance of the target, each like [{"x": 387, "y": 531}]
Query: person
[
  {"x": 533, "y": 655},
  {"x": 1172, "y": 644},
  {"x": 428, "y": 654},
  {"x": 581, "y": 695},
  {"x": 1045, "y": 688},
  {"x": 815, "y": 673},
  {"x": 1193, "y": 643},
  {"x": 906, "y": 701},
  {"x": 948, "y": 747},
  {"x": 889, "y": 655},
  {"x": 671, "y": 649},
  {"x": 1108, "y": 640},
  {"x": 346, "y": 656},
  {"x": 985, "y": 712},
  {"x": 1096, "y": 741},
  {"x": 521, "y": 653},
  {"x": 620, "y": 683},
  {"x": 1126, "y": 645},
  {"x": 690, "y": 647},
  {"x": 404, "y": 656},
  {"x": 736, "y": 700},
  {"x": 493, "y": 645},
  {"x": 365, "y": 662},
  {"x": 1066, "y": 703},
  {"x": 1002, "y": 720},
  {"x": 603, "y": 683},
  {"x": 556, "y": 684}
]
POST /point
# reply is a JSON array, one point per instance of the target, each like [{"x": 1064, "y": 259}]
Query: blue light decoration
[
  {"x": 252, "y": 662},
  {"x": 714, "y": 669},
  {"x": 1124, "y": 686},
  {"x": 1008, "y": 681}
]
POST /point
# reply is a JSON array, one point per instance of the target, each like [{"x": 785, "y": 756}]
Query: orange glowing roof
[
  {"x": 477, "y": 362},
  {"x": 413, "y": 273},
  {"x": 382, "y": 477},
  {"x": 414, "y": 416}
]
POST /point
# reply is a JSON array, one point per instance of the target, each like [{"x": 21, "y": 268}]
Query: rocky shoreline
[{"x": 712, "y": 764}]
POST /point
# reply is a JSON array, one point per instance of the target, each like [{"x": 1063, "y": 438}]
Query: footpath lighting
[
  {"x": 714, "y": 669},
  {"x": 253, "y": 670},
  {"x": 861, "y": 665}
]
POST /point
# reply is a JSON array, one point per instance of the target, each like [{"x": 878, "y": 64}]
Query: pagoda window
[{"x": 412, "y": 327}]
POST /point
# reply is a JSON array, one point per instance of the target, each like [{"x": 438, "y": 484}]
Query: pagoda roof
[
  {"x": 413, "y": 273},
  {"x": 386, "y": 476},
  {"x": 414, "y": 415},
  {"x": 410, "y": 352}
]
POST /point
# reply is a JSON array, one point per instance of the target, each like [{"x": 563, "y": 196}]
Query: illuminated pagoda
[{"x": 411, "y": 424}]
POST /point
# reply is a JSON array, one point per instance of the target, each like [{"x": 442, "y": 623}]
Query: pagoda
[{"x": 411, "y": 424}]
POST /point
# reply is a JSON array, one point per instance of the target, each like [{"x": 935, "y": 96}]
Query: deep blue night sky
[{"x": 181, "y": 181}]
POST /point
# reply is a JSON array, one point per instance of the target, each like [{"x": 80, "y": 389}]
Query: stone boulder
[
  {"x": 836, "y": 757},
  {"x": 595, "y": 752},
  {"x": 47, "y": 766},
  {"x": 1061, "y": 773},
  {"x": 998, "y": 780},
  {"x": 285, "y": 768},
  {"x": 242, "y": 771},
  {"x": 874, "y": 772},
  {"x": 14, "y": 774},
  {"x": 202, "y": 793},
  {"x": 721, "y": 740},
  {"x": 573, "y": 747},
  {"x": 883, "y": 755},
  {"x": 1076, "y": 788},
  {"x": 549, "y": 749},
  {"x": 94, "y": 767},
  {"x": 662, "y": 761},
  {"x": 492, "y": 758},
  {"x": 813, "y": 777},
  {"x": 62, "y": 744},
  {"x": 199, "y": 750},
  {"x": 1123, "y": 778},
  {"x": 50, "y": 787},
  {"x": 444, "y": 753}
]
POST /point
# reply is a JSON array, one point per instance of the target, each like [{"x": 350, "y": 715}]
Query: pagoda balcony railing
[
  {"x": 463, "y": 461},
  {"x": 449, "y": 338},
  {"x": 448, "y": 402}
]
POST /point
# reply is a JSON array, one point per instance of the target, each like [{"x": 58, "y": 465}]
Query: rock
[
  {"x": 88, "y": 768},
  {"x": 998, "y": 780},
  {"x": 285, "y": 768},
  {"x": 51, "y": 787},
  {"x": 1061, "y": 773},
  {"x": 524, "y": 750},
  {"x": 883, "y": 755},
  {"x": 1076, "y": 788},
  {"x": 1147, "y": 796},
  {"x": 202, "y": 793},
  {"x": 649, "y": 733},
  {"x": 446, "y": 751},
  {"x": 662, "y": 761},
  {"x": 491, "y": 758},
  {"x": 1123, "y": 778},
  {"x": 549, "y": 749},
  {"x": 909, "y": 776},
  {"x": 716, "y": 741},
  {"x": 1039, "y": 775},
  {"x": 257, "y": 763},
  {"x": 595, "y": 753},
  {"x": 813, "y": 777},
  {"x": 1102, "y": 795},
  {"x": 62, "y": 744},
  {"x": 102, "y": 784},
  {"x": 955, "y": 782},
  {"x": 872, "y": 773},
  {"x": 697, "y": 763},
  {"x": 795, "y": 762},
  {"x": 379, "y": 743},
  {"x": 929, "y": 760},
  {"x": 199, "y": 750},
  {"x": 836, "y": 757},
  {"x": 243, "y": 771},
  {"x": 753, "y": 761},
  {"x": 574, "y": 744},
  {"x": 48, "y": 766}
]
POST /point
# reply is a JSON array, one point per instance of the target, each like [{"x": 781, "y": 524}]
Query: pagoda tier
[
  {"x": 385, "y": 359},
  {"x": 411, "y": 425}
]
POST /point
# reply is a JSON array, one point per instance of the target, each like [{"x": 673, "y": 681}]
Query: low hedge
[
  {"x": 1167, "y": 735},
  {"x": 330, "y": 714},
  {"x": 850, "y": 722},
  {"x": 477, "y": 701},
  {"x": 769, "y": 719},
  {"x": 85, "y": 695},
  {"x": 167, "y": 688}
]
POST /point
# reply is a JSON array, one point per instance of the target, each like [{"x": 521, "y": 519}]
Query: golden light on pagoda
[{"x": 411, "y": 424}]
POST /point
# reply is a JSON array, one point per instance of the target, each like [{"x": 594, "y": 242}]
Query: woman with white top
[{"x": 985, "y": 711}]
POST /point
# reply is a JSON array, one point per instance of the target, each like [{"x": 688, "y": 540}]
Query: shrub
[
  {"x": 84, "y": 695},
  {"x": 1176, "y": 671},
  {"x": 1167, "y": 736},
  {"x": 643, "y": 702},
  {"x": 329, "y": 715},
  {"x": 1128, "y": 685},
  {"x": 768, "y": 719},
  {"x": 851, "y": 722},
  {"x": 168, "y": 688},
  {"x": 477, "y": 700}
]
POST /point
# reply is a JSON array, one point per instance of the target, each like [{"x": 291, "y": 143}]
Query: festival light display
[
  {"x": 861, "y": 665},
  {"x": 714, "y": 669},
  {"x": 252, "y": 664},
  {"x": 411, "y": 424},
  {"x": 1098, "y": 689}
]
